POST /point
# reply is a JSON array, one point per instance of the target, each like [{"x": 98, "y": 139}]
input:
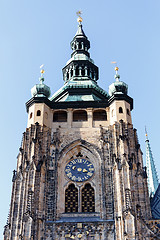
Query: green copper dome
[
  {"x": 118, "y": 87},
  {"x": 41, "y": 90}
]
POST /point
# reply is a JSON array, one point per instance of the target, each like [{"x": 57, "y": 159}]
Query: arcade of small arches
[
  {"x": 80, "y": 115},
  {"x": 80, "y": 71},
  {"x": 79, "y": 46}
]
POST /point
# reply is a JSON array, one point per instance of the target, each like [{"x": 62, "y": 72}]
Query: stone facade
[{"x": 122, "y": 206}]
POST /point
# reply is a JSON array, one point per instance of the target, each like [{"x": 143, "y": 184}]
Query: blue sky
[{"x": 34, "y": 32}]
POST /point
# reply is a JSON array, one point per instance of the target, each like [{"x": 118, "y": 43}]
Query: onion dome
[
  {"x": 41, "y": 89},
  {"x": 118, "y": 87}
]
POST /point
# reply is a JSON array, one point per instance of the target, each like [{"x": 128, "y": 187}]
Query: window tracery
[
  {"x": 71, "y": 199},
  {"x": 88, "y": 199}
]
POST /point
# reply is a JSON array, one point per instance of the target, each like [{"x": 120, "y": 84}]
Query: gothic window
[
  {"x": 120, "y": 110},
  {"x": 60, "y": 116},
  {"x": 71, "y": 199},
  {"x": 38, "y": 113},
  {"x": 88, "y": 199},
  {"x": 79, "y": 116},
  {"x": 99, "y": 115}
]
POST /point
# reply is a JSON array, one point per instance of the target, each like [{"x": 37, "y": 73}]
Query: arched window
[
  {"x": 38, "y": 113},
  {"x": 79, "y": 116},
  {"x": 60, "y": 116},
  {"x": 71, "y": 199},
  {"x": 83, "y": 71},
  {"x": 99, "y": 115},
  {"x": 67, "y": 75},
  {"x": 77, "y": 71},
  {"x": 88, "y": 199},
  {"x": 31, "y": 114},
  {"x": 80, "y": 45},
  {"x": 71, "y": 72},
  {"x": 128, "y": 112},
  {"x": 120, "y": 110},
  {"x": 112, "y": 112}
]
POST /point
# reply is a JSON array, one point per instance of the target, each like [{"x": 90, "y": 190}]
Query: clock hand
[
  {"x": 74, "y": 167},
  {"x": 85, "y": 170},
  {"x": 79, "y": 169}
]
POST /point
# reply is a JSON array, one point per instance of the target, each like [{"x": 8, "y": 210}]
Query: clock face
[{"x": 79, "y": 170}]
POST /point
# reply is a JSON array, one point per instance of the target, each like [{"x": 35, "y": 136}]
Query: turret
[
  {"x": 37, "y": 108},
  {"x": 121, "y": 104}
]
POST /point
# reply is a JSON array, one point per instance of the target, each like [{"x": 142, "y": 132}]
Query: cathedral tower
[{"x": 80, "y": 171}]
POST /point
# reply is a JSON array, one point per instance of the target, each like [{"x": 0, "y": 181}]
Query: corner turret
[
  {"x": 37, "y": 106},
  {"x": 118, "y": 87},
  {"x": 121, "y": 104},
  {"x": 41, "y": 89}
]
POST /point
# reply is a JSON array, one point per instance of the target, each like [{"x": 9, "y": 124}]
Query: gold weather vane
[
  {"x": 146, "y": 132},
  {"x": 116, "y": 68},
  {"x": 42, "y": 70},
  {"x": 79, "y": 13}
]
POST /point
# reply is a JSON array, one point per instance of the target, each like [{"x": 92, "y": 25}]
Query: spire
[
  {"x": 80, "y": 74},
  {"x": 80, "y": 66},
  {"x": 151, "y": 169},
  {"x": 80, "y": 43}
]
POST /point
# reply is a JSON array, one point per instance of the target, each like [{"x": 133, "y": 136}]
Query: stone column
[
  {"x": 69, "y": 119},
  {"x": 80, "y": 71},
  {"x": 74, "y": 71},
  {"x": 86, "y": 70},
  {"x": 82, "y": 46},
  {"x": 90, "y": 73},
  {"x": 90, "y": 117}
]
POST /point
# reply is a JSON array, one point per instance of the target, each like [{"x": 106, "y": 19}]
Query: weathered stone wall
[{"x": 37, "y": 203}]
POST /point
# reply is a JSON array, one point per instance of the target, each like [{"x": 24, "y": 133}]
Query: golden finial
[
  {"x": 116, "y": 68},
  {"x": 42, "y": 70},
  {"x": 79, "y": 19},
  {"x": 117, "y": 77},
  {"x": 146, "y": 131}
]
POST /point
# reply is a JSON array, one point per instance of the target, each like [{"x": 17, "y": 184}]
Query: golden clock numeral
[
  {"x": 89, "y": 174},
  {"x": 69, "y": 175},
  {"x": 79, "y": 160},
  {"x": 89, "y": 165},
  {"x": 91, "y": 169},
  {"x": 73, "y": 178}
]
